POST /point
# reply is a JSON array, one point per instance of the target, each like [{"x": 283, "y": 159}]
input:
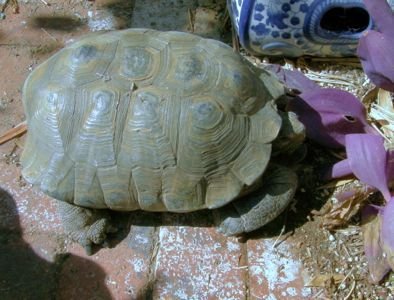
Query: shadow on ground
[
  {"x": 59, "y": 23},
  {"x": 24, "y": 275},
  {"x": 109, "y": 16}
]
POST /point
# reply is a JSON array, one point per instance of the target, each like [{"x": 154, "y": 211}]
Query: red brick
[
  {"x": 198, "y": 263},
  {"x": 274, "y": 272}
]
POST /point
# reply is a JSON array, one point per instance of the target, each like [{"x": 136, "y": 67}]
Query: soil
[{"x": 33, "y": 30}]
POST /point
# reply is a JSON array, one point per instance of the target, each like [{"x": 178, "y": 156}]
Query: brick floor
[{"x": 162, "y": 256}]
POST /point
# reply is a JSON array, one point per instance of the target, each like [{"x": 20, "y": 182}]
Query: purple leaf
[
  {"x": 375, "y": 47},
  {"x": 292, "y": 79},
  {"x": 377, "y": 59},
  {"x": 381, "y": 13},
  {"x": 338, "y": 170},
  {"x": 377, "y": 263},
  {"x": 367, "y": 158},
  {"x": 329, "y": 114}
]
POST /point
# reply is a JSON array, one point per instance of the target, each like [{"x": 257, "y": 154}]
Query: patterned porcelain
[{"x": 300, "y": 27}]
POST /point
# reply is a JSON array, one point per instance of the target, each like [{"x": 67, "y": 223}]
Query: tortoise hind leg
[
  {"x": 84, "y": 226},
  {"x": 262, "y": 206}
]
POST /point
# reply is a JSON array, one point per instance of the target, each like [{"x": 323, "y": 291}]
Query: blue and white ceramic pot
[{"x": 300, "y": 27}]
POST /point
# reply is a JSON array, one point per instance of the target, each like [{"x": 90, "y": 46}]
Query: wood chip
[
  {"x": 322, "y": 280},
  {"x": 15, "y": 132}
]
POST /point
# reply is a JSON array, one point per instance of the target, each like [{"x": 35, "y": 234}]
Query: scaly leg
[
  {"x": 262, "y": 206},
  {"x": 84, "y": 226}
]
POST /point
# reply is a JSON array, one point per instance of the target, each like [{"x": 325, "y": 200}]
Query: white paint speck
[
  {"x": 194, "y": 263},
  {"x": 270, "y": 297},
  {"x": 275, "y": 267},
  {"x": 181, "y": 294},
  {"x": 291, "y": 291},
  {"x": 101, "y": 20},
  {"x": 138, "y": 265},
  {"x": 142, "y": 239},
  {"x": 233, "y": 247}
]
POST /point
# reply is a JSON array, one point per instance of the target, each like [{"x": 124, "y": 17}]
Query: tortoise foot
[
  {"x": 85, "y": 226},
  {"x": 262, "y": 206}
]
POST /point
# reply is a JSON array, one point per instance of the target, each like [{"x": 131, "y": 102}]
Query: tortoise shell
[{"x": 142, "y": 119}]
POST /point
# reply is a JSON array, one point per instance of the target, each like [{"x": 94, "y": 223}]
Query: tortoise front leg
[
  {"x": 262, "y": 206},
  {"x": 84, "y": 226}
]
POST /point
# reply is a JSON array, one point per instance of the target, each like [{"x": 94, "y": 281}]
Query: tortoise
[{"x": 140, "y": 119}]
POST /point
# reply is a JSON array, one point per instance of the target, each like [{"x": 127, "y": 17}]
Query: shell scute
[{"x": 77, "y": 66}]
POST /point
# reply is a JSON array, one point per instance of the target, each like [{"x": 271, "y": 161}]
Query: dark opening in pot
[{"x": 345, "y": 19}]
